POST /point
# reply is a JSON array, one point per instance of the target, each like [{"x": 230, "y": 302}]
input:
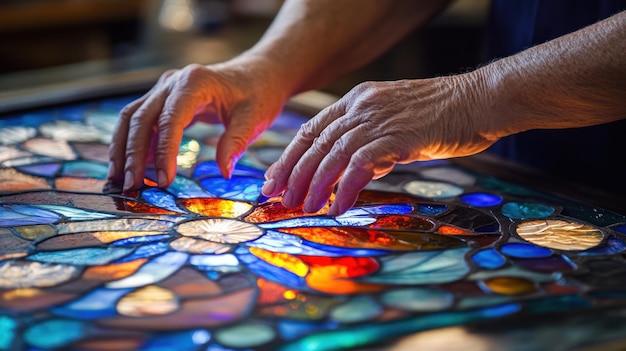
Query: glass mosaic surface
[{"x": 210, "y": 264}]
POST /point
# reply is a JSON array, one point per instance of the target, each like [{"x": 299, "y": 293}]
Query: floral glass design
[{"x": 210, "y": 264}]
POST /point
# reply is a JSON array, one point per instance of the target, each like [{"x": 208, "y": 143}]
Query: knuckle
[{"x": 362, "y": 160}]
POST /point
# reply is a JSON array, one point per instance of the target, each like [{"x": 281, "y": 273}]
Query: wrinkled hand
[
  {"x": 373, "y": 127},
  {"x": 153, "y": 125}
]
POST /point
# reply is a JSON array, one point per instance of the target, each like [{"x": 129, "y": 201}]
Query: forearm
[
  {"x": 311, "y": 43},
  {"x": 574, "y": 81}
]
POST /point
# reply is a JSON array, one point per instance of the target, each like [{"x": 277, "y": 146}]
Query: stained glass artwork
[{"x": 434, "y": 248}]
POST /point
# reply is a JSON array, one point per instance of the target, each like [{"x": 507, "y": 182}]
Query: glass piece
[
  {"x": 8, "y": 153},
  {"x": 403, "y": 222},
  {"x": 99, "y": 303},
  {"x": 524, "y": 250},
  {"x": 236, "y": 188},
  {"x": 274, "y": 211},
  {"x": 450, "y": 175},
  {"x": 92, "y": 152},
  {"x": 156, "y": 270},
  {"x": 620, "y": 228},
  {"x": 145, "y": 251},
  {"x": 432, "y": 190},
  {"x": 113, "y": 271},
  {"x": 58, "y": 333},
  {"x": 468, "y": 218},
  {"x": 74, "y": 214},
  {"x": 85, "y": 169},
  {"x": 357, "y": 309},
  {"x": 70, "y": 131},
  {"x": 482, "y": 301},
  {"x": 185, "y": 188},
  {"x": 143, "y": 239},
  {"x": 199, "y": 246},
  {"x": 283, "y": 260},
  {"x": 141, "y": 208},
  {"x": 160, "y": 198},
  {"x": 450, "y": 230},
  {"x": 281, "y": 242},
  {"x": 418, "y": 299},
  {"x": 256, "y": 334},
  {"x": 481, "y": 199},
  {"x": 602, "y": 273},
  {"x": 216, "y": 207},
  {"x": 88, "y": 185},
  {"x": 509, "y": 285},
  {"x": 330, "y": 274},
  {"x": 82, "y": 256},
  {"x": 184, "y": 340},
  {"x": 195, "y": 313},
  {"x": 290, "y": 329},
  {"x": 226, "y": 231},
  {"x": 17, "y": 215},
  {"x": 514, "y": 271},
  {"x": 41, "y": 169},
  {"x": 350, "y": 237},
  {"x": 12, "y": 245},
  {"x": 488, "y": 258},
  {"x": 318, "y": 222},
  {"x": 422, "y": 267},
  {"x": 269, "y": 271},
  {"x": 526, "y": 210},
  {"x": 12, "y": 181},
  {"x": 214, "y": 260},
  {"x": 34, "y": 232},
  {"x": 209, "y": 168},
  {"x": 593, "y": 215},
  {"x": 58, "y": 149},
  {"x": 380, "y": 210},
  {"x": 16, "y": 134},
  {"x": 147, "y": 301},
  {"x": 190, "y": 283},
  {"x": 560, "y": 234},
  {"x": 611, "y": 246},
  {"x": 7, "y": 332},
  {"x": 555, "y": 263},
  {"x": 20, "y": 274},
  {"x": 121, "y": 224},
  {"x": 187, "y": 153}
]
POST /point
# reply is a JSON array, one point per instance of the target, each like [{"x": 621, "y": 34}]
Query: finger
[
  {"x": 117, "y": 147},
  {"x": 176, "y": 114},
  {"x": 239, "y": 133},
  {"x": 140, "y": 132},
  {"x": 279, "y": 173},
  {"x": 371, "y": 161}
]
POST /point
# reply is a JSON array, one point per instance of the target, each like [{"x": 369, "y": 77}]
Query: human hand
[
  {"x": 372, "y": 128},
  {"x": 240, "y": 97}
]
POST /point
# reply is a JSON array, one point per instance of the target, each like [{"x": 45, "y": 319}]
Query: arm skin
[
  {"x": 309, "y": 44},
  {"x": 573, "y": 81}
]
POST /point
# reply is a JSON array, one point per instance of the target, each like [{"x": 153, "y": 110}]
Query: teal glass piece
[
  {"x": 481, "y": 199},
  {"x": 100, "y": 303},
  {"x": 594, "y": 215},
  {"x": 426, "y": 267},
  {"x": 54, "y": 333},
  {"x": 488, "y": 258},
  {"x": 256, "y": 334},
  {"x": 418, "y": 299},
  {"x": 82, "y": 257},
  {"x": 156, "y": 270},
  {"x": 357, "y": 309},
  {"x": 17, "y": 215},
  {"x": 185, "y": 340},
  {"x": 7, "y": 332},
  {"x": 526, "y": 210},
  {"x": 525, "y": 250},
  {"x": 85, "y": 169}
]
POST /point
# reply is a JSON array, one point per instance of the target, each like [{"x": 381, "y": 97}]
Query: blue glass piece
[
  {"x": 421, "y": 267},
  {"x": 54, "y": 333},
  {"x": 612, "y": 246},
  {"x": 287, "y": 243},
  {"x": 85, "y": 169},
  {"x": 7, "y": 332},
  {"x": 140, "y": 239},
  {"x": 526, "y": 210},
  {"x": 154, "y": 271},
  {"x": 236, "y": 188},
  {"x": 34, "y": 119},
  {"x": 99, "y": 303},
  {"x": 209, "y": 168},
  {"x": 42, "y": 169},
  {"x": 72, "y": 112},
  {"x": 388, "y": 209},
  {"x": 185, "y": 340},
  {"x": 17, "y": 215},
  {"x": 481, "y": 199},
  {"x": 185, "y": 188},
  {"x": 489, "y": 258},
  {"x": 83, "y": 256},
  {"x": 160, "y": 198},
  {"x": 345, "y": 251},
  {"x": 305, "y": 222},
  {"x": 214, "y": 260},
  {"x": 144, "y": 251},
  {"x": 75, "y": 214},
  {"x": 431, "y": 209},
  {"x": 522, "y": 250},
  {"x": 270, "y": 272},
  {"x": 620, "y": 228},
  {"x": 367, "y": 334},
  {"x": 354, "y": 221},
  {"x": 290, "y": 329}
]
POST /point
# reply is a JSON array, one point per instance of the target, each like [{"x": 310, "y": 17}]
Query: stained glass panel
[{"x": 432, "y": 251}]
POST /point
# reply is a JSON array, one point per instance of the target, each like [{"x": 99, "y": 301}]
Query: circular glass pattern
[
  {"x": 560, "y": 234},
  {"x": 220, "y": 230},
  {"x": 432, "y": 190}
]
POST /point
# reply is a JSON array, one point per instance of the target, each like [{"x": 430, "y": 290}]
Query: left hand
[{"x": 373, "y": 127}]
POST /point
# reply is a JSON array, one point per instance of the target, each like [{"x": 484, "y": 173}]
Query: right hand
[{"x": 245, "y": 101}]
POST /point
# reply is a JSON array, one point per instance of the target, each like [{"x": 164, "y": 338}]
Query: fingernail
[
  {"x": 269, "y": 187},
  {"x": 287, "y": 198},
  {"x": 162, "y": 178},
  {"x": 334, "y": 209},
  {"x": 129, "y": 180}
]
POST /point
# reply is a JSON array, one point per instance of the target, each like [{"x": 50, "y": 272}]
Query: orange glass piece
[
  {"x": 274, "y": 211},
  {"x": 450, "y": 230},
  {"x": 138, "y": 207},
  {"x": 216, "y": 207},
  {"x": 113, "y": 271},
  {"x": 510, "y": 285},
  {"x": 28, "y": 299},
  {"x": 283, "y": 260},
  {"x": 349, "y": 237},
  {"x": 13, "y": 181},
  {"x": 331, "y": 274},
  {"x": 79, "y": 184},
  {"x": 402, "y": 222},
  {"x": 150, "y": 182}
]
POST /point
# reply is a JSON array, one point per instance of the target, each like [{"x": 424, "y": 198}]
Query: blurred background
[{"x": 48, "y": 45}]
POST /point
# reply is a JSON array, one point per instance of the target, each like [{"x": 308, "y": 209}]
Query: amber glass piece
[
  {"x": 427, "y": 241},
  {"x": 29, "y": 299},
  {"x": 329, "y": 274},
  {"x": 147, "y": 301},
  {"x": 349, "y": 237},
  {"x": 113, "y": 271},
  {"x": 560, "y": 235},
  {"x": 450, "y": 230},
  {"x": 282, "y": 260},
  {"x": 270, "y": 292},
  {"x": 32, "y": 232},
  {"x": 138, "y": 207},
  {"x": 402, "y": 222},
  {"x": 14, "y": 181},
  {"x": 274, "y": 211},
  {"x": 510, "y": 285},
  {"x": 90, "y": 185},
  {"x": 216, "y": 207}
]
